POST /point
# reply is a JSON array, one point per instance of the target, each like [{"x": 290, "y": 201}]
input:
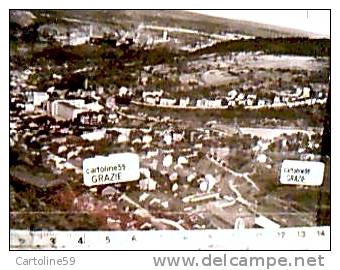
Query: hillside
[{"x": 175, "y": 18}]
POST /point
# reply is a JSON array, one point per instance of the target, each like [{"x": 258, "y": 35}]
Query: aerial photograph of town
[{"x": 207, "y": 109}]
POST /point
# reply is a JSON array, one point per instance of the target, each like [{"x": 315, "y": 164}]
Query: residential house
[
  {"x": 178, "y": 136},
  {"x": 95, "y": 135},
  {"x": 240, "y": 96},
  {"x": 261, "y": 102},
  {"x": 306, "y": 92},
  {"x": 150, "y": 100},
  {"x": 232, "y": 103},
  {"x": 39, "y": 98},
  {"x": 90, "y": 118},
  {"x": 232, "y": 94},
  {"x": 183, "y": 102},
  {"x": 277, "y": 100},
  {"x": 167, "y": 102},
  {"x": 250, "y": 102},
  {"x": 209, "y": 103},
  {"x": 152, "y": 94}
]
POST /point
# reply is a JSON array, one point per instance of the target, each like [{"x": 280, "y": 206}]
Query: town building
[
  {"x": 150, "y": 100},
  {"x": 277, "y": 100},
  {"x": 68, "y": 110},
  {"x": 167, "y": 102},
  {"x": 36, "y": 98},
  {"x": 183, "y": 102},
  {"x": 306, "y": 92},
  {"x": 209, "y": 103},
  {"x": 152, "y": 93}
]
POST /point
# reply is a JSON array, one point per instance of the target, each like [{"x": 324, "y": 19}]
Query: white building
[
  {"x": 69, "y": 109},
  {"x": 240, "y": 96},
  {"x": 144, "y": 79},
  {"x": 182, "y": 160},
  {"x": 199, "y": 103},
  {"x": 150, "y": 100},
  {"x": 242, "y": 102},
  {"x": 217, "y": 103},
  {"x": 94, "y": 136},
  {"x": 207, "y": 183},
  {"x": 286, "y": 99},
  {"x": 277, "y": 100},
  {"x": 147, "y": 184},
  {"x": 261, "y": 102},
  {"x": 167, "y": 161},
  {"x": 167, "y": 101},
  {"x": 251, "y": 96},
  {"x": 167, "y": 137},
  {"x": 183, "y": 102},
  {"x": 232, "y": 103},
  {"x": 178, "y": 136},
  {"x": 147, "y": 139},
  {"x": 93, "y": 106},
  {"x": 123, "y": 138},
  {"x": 262, "y": 158},
  {"x": 250, "y": 102},
  {"x": 306, "y": 92},
  {"x": 39, "y": 98},
  {"x": 29, "y": 107},
  {"x": 165, "y": 35},
  {"x": 100, "y": 90},
  {"x": 123, "y": 91},
  {"x": 78, "y": 39},
  {"x": 298, "y": 91},
  {"x": 153, "y": 93},
  {"x": 232, "y": 94},
  {"x": 209, "y": 103},
  {"x": 65, "y": 109},
  {"x": 146, "y": 172}
]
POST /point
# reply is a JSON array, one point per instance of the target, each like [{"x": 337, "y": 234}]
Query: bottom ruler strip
[{"x": 296, "y": 238}]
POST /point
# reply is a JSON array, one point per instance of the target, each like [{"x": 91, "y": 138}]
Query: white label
[
  {"x": 297, "y": 172},
  {"x": 115, "y": 168}
]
